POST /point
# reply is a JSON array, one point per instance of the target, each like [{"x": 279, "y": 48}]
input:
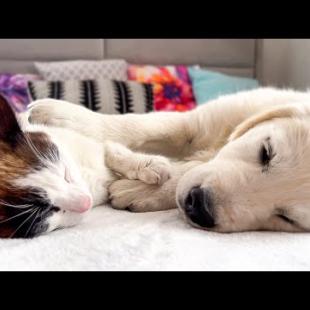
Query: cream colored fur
[{"x": 215, "y": 146}]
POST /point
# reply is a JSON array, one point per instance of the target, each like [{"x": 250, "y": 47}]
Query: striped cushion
[{"x": 100, "y": 95}]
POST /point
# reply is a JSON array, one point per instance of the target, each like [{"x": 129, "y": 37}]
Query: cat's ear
[{"x": 10, "y": 130}]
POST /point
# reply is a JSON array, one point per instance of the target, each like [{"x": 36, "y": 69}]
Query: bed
[{"x": 117, "y": 240}]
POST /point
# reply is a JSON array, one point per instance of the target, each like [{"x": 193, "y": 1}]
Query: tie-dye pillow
[
  {"x": 15, "y": 88},
  {"x": 172, "y": 87}
]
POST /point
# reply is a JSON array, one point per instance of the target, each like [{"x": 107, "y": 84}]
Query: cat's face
[{"x": 41, "y": 189}]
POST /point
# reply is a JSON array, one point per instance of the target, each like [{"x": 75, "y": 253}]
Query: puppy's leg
[
  {"x": 151, "y": 169},
  {"x": 171, "y": 134},
  {"x": 137, "y": 196},
  {"x": 61, "y": 113},
  {"x": 167, "y": 133}
]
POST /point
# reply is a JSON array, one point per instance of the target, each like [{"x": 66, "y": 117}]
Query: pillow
[
  {"x": 171, "y": 85},
  {"x": 83, "y": 70},
  {"x": 101, "y": 95},
  {"x": 210, "y": 85},
  {"x": 14, "y": 88}
]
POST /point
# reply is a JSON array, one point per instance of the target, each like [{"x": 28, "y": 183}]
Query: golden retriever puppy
[{"x": 241, "y": 162}]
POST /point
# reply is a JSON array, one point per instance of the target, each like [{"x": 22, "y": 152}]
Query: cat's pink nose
[
  {"x": 78, "y": 203},
  {"x": 85, "y": 204}
]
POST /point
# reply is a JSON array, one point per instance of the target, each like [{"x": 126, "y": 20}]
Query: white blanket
[{"x": 119, "y": 240}]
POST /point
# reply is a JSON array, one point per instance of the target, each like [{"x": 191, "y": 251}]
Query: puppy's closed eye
[
  {"x": 285, "y": 218},
  {"x": 266, "y": 153}
]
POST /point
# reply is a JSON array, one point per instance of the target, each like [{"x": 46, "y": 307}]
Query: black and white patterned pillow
[{"x": 100, "y": 95}]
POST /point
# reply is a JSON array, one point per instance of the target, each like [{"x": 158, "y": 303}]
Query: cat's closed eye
[{"x": 67, "y": 175}]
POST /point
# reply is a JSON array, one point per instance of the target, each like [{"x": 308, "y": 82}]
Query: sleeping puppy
[
  {"x": 50, "y": 177},
  {"x": 241, "y": 162}
]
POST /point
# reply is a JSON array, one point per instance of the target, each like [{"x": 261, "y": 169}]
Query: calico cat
[{"x": 51, "y": 177}]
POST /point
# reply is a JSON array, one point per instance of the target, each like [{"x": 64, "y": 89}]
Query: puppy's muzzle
[{"x": 198, "y": 207}]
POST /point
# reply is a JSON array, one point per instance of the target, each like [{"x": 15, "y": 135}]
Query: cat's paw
[
  {"x": 154, "y": 170},
  {"x": 133, "y": 195}
]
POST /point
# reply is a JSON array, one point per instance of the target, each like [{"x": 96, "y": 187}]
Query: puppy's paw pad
[
  {"x": 49, "y": 112},
  {"x": 131, "y": 195},
  {"x": 155, "y": 171},
  {"x": 38, "y": 114},
  {"x": 120, "y": 194}
]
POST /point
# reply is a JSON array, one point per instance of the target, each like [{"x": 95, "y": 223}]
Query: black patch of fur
[{"x": 16, "y": 223}]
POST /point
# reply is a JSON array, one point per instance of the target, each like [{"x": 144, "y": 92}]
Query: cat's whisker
[
  {"x": 33, "y": 147},
  {"x": 33, "y": 221},
  {"x": 23, "y": 206},
  {"x": 22, "y": 224},
  {"x": 15, "y": 216}
]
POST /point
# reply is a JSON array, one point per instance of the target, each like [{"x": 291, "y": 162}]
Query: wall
[
  {"x": 284, "y": 62},
  {"x": 236, "y": 56}
]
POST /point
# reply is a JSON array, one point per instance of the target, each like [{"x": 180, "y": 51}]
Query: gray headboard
[{"x": 235, "y": 56}]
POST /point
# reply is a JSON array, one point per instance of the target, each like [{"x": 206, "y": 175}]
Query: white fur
[
  {"x": 215, "y": 146},
  {"x": 83, "y": 159}
]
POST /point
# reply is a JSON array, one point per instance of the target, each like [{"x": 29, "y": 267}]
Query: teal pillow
[{"x": 208, "y": 85}]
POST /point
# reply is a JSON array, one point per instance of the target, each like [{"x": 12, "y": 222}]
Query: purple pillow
[{"x": 14, "y": 88}]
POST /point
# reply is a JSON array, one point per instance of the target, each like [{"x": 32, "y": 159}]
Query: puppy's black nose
[{"x": 199, "y": 207}]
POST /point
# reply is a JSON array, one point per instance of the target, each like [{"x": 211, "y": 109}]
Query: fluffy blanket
[{"x": 119, "y": 240}]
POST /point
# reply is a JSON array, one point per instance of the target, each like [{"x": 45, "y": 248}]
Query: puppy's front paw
[
  {"x": 38, "y": 111},
  {"x": 133, "y": 195},
  {"x": 51, "y": 112},
  {"x": 154, "y": 170}
]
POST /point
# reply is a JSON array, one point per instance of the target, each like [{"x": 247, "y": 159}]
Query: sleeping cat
[{"x": 51, "y": 177}]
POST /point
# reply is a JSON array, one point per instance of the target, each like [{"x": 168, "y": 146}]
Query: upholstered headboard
[{"x": 235, "y": 56}]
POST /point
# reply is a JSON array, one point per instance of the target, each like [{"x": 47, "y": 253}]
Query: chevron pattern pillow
[{"x": 100, "y": 95}]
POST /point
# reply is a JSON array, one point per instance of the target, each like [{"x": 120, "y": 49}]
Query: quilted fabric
[{"x": 83, "y": 70}]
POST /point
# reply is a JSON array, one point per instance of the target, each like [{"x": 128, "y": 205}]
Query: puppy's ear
[
  {"x": 9, "y": 127},
  {"x": 270, "y": 114}
]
